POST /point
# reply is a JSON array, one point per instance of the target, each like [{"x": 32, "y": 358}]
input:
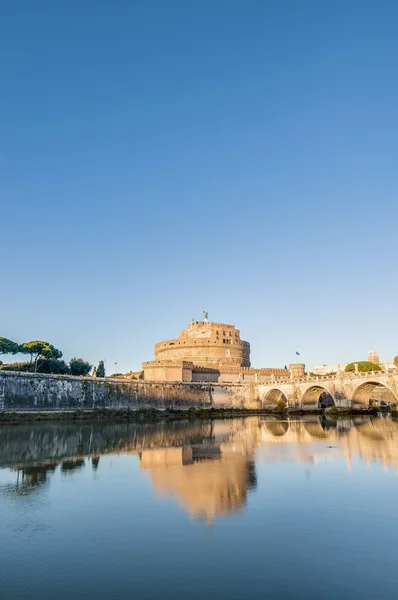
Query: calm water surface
[{"x": 245, "y": 508}]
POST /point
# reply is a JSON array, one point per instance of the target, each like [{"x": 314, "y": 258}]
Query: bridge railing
[{"x": 339, "y": 375}]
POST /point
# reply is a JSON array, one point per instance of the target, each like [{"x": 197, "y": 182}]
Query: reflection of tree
[
  {"x": 95, "y": 462},
  {"x": 207, "y": 465},
  {"x": 30, "y": 478},
  {"x": 72, "y": 465},
  {"x": 251, "y": 475},
  {"x": 37, "y": 475}
]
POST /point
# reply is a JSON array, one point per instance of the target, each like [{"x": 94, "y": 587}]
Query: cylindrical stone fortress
[
  {"x": 206, "y": 344},
  {"x": 206, "y": 352}
]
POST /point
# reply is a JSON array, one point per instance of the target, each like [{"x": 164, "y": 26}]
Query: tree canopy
[
  {"x": 54, "y": 366},
  {"x": 80, "y": 367},
  {"x": 44, "y": 358},
  {"x": 40, "y": 350},
  {"x": 100, "y": 369},
  {"x": 8, "y": 346},
  {"x": 363, "y": 366}
]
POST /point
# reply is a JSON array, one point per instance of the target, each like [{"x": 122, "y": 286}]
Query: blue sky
[{"x": 160, "y": 158}]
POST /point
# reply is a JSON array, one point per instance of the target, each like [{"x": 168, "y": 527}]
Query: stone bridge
[{"x": 345, "y": 390}]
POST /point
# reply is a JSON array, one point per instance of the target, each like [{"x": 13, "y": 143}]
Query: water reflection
[
  {"x": 207, "y": 466},
  {"x": 203, "y": 489}
]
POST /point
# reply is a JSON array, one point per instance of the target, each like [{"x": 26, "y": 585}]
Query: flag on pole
[{"x": 298, "y": 353}]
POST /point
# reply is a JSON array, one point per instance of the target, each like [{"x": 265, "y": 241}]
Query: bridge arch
[
  {"x": 277, "y": 428},
  {"x": 316, "y": 428},
  {"x": 317, "y": 396},
  {"x": 273, "y": 396},
  {"x": 368, "y": 391}
]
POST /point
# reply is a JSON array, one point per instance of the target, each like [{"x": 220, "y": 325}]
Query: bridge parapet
[{"x": 346, "y": 389}]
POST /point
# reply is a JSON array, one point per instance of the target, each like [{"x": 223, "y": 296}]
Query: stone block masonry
[{"x": 39, "y": 392}]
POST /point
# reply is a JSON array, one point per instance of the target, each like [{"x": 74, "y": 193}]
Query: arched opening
[
  {"x": 277, "y": 428},
  {"x": 316, "y": 428},
  {"x": 317, "y": 397},
  {"x": 373, "y": 392},
  {"x": 275, "y": 398}
]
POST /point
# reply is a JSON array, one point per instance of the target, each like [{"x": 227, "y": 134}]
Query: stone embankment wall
[{"x": 35, "y": 392}]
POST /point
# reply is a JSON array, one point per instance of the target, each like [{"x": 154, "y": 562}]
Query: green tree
[
  {"x": 40, "y": 351},
  {"x": 363, "y": 366},
  {"x": 80, "y": 367},
  {"x": 101, "y": 369},
  {"x": 54, "y": 366},
  {"x": 8, "y": 346}
]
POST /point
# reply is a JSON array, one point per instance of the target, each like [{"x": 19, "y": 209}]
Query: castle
[{"x": 207, "y": 352}]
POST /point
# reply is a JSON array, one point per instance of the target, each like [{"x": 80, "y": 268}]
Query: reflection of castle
[
  {"x": 208, "y": 466},
  {"x": 206, "y": 480},
  {"x": 205, "y": 351},
  {"x": 209, "y": 478}
]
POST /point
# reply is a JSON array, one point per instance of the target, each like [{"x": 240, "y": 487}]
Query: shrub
[
  {"x": 17, "y": 366},
  {"x": 49, "y": 366},
  {"x": 53, "y": 366},
  {"x": 281, "y": 406},
  {"x": 363, "y": 367},
  {"x": 78, "y": 366}
]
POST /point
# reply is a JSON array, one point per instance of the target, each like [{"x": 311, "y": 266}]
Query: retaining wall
[{"x": 39, "y": 392}]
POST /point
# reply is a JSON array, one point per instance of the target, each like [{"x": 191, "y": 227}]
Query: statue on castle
[{"x": 206, "y": 314}]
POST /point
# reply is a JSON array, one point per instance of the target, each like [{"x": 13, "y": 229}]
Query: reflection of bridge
[
  {"x": 346, "y": 390},
  {"x": 209, "y": 467}
]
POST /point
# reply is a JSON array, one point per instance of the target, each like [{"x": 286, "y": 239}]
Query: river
[{"x": 244, "y": 508}]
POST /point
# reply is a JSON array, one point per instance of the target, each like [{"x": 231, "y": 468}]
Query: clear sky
[{"x": 159, "y": 158}]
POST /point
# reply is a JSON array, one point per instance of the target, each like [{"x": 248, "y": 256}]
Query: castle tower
[
  {"x": 373, "y": 357},
  {"x": 297, "y": 370}
]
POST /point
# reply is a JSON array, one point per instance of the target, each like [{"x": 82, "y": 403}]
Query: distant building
[
  {"x": 325, "y": 369},
  {"x": 373, "y": 357}
]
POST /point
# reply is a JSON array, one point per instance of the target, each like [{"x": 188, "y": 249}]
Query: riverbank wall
[{"x": 38, "y": 392}]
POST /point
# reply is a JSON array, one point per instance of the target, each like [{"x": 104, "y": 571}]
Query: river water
[{"x": 244, "y": 508}]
